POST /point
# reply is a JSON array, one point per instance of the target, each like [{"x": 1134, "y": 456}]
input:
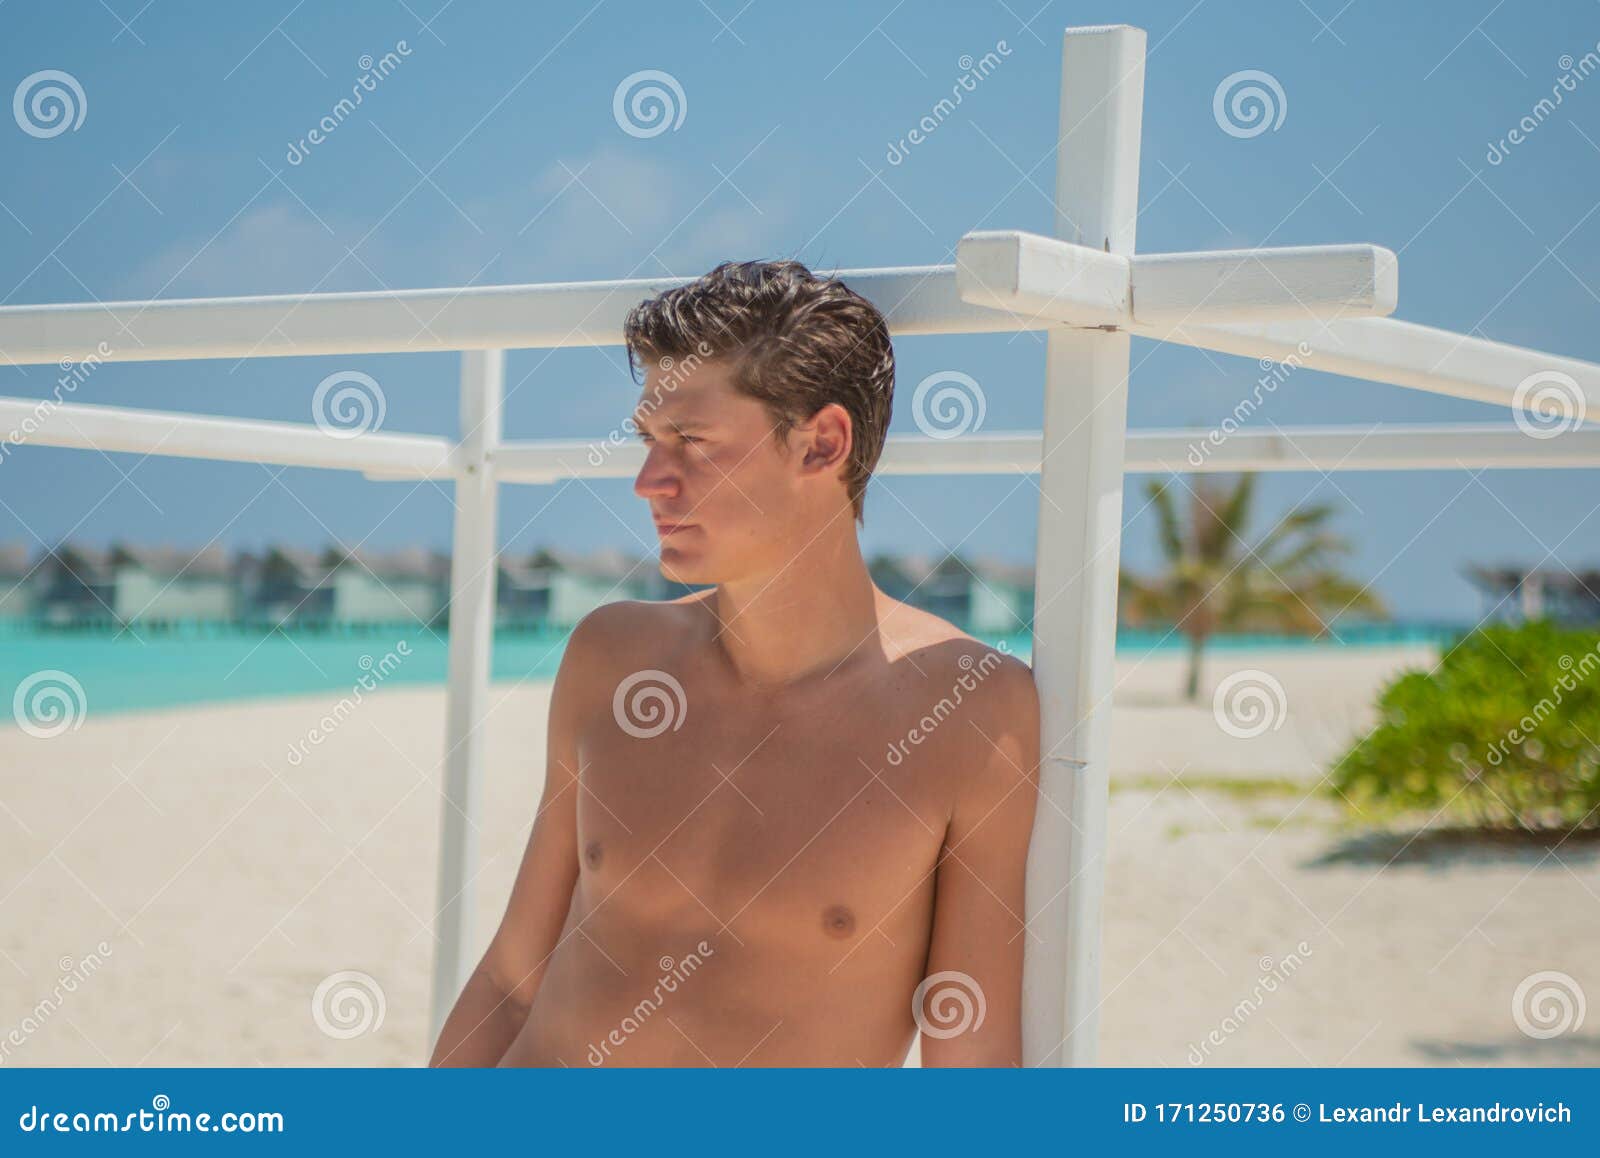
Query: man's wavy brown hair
[{"x": 796, "y": 342}]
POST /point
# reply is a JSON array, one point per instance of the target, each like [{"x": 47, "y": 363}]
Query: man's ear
[{"x": 829, "y": 437}]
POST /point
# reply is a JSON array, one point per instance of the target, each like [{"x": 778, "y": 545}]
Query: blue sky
[{"x": 491, "y": 155}]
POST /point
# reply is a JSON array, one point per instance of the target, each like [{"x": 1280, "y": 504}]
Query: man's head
[{"x": 766, "y": 401}]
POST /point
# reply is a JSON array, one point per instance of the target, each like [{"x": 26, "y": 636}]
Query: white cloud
[
  {"x": 612, "y": 213},
  {"x": 616, "y": 213},
  {"x": 273, "y": 248}
]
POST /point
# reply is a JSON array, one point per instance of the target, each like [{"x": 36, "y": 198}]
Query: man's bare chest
[{"x": 757, "y": 815}]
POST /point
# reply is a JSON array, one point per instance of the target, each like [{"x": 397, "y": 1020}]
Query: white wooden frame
[{"x": 1321, "y": 307}]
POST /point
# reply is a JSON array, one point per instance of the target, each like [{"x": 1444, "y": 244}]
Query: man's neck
[{"x": 807, "y": 618}]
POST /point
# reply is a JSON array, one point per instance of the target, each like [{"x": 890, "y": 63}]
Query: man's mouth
[{"x": 665, "y": 529}]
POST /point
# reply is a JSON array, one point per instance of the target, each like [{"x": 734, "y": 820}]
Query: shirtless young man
[{"x": 785, "y": 819}]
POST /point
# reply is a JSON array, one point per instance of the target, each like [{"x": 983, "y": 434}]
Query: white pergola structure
[{"x": 1322, "y": 306}]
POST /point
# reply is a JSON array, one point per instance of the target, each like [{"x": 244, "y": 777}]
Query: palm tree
[{"x": 1214, "y": 581}]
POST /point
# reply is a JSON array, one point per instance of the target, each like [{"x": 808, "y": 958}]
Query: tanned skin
[{"x": 764, "y": 870}]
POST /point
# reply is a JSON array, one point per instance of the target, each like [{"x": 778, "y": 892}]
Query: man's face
[{"x": 726, "y": 499}]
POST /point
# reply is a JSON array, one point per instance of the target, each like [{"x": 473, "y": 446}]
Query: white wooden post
[
  {"x": 472, "y": 587},
  {"x": 1080, "y": 535}
]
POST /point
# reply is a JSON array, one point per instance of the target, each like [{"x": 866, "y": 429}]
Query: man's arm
[
  {"x": 495, "y": 1002},
  {"x": 975, "y": 954}
]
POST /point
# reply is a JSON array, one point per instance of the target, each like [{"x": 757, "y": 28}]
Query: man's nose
[{"x": 656, "y": 479}]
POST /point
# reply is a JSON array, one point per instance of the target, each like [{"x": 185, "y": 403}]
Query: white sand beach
[{"x": 227, "y": 883}]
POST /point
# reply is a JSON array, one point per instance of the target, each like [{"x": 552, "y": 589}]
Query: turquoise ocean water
[{"x": 129, "y": 671}]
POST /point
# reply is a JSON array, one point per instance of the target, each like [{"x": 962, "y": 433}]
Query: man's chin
[{"x": 680, "y": 567}]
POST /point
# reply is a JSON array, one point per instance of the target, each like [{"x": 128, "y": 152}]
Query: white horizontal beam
[
  {"x": 1199, "y": 451},
  {"x": 381, "y": 455},
  {"x": 914, "y": 299},
  {"x": 1318, "y": 292},
  {"x": 545, "y": 460},
  {"x": 552, "y": 459},
  {"x": 1405, "y": 354},
  {"x": 1253, "y": 285},
  {"x": 1043, "y": 278},
  {"x": 1351, "y": 448},
  {"x": 386, "y": 456},
  {"x": 917, "y": 300},
  {"x": 45, "y": 422}
]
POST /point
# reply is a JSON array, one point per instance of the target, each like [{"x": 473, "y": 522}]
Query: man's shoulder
[
  {"x": 632, "y": 631},
  {"x": 948, "y": 672},
  {"x": 976, "y": 705},
  {"x": 939, "y": 655},
  {"x": 617, "y": 641}
]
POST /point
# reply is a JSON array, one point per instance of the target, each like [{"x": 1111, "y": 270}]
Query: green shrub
[{"x": 1504, "y": 733}]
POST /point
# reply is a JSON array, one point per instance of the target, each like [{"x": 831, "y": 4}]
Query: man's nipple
[{"x": 838, "y": 922}]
